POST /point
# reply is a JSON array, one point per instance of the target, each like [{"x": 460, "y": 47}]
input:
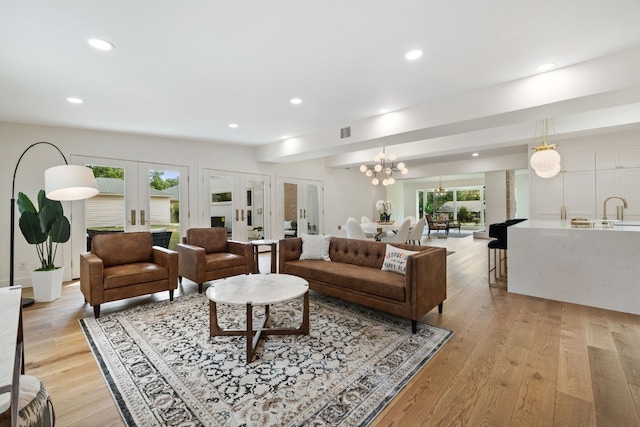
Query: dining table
[{"x": 380, "y": 230}]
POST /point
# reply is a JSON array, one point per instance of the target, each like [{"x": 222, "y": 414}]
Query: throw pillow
[
  {"x": 315, "y": 247},
  {"x": 287, "y": 225},
  {"x": 395, "y": 259}
]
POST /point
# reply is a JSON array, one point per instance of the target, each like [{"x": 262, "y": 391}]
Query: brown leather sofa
[
  {"x": 206, "y": 254},
  {"x": 354, "y": 274},
  {"x": 125, "y": 265}
]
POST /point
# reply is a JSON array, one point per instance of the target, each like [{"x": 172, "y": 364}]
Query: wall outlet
[{"x": 22, "y": 266}]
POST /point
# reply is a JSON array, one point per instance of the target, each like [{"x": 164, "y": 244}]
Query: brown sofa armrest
[
  {"x": 245, "y": 250},
  {"x": 426, "y": 280},
  {"x": 169, "y": 260},
  {"x": 290, "y": 250},
  {"x": 191, "y": 262},
  {"x": 91, "y": 278}
]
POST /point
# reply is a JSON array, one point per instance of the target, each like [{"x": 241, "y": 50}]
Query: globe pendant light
[{"x": 545, "y": 161}]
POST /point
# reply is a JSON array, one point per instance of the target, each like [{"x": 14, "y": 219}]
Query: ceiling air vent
[{"x": 345, "y": 132}]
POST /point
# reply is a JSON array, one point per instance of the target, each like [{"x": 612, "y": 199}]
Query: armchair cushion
[
  {"x": 210, "y": 239},
  {"x": 130, "y": 274},
  {"x": 136, "y": 247},
  {"x": 223, "y": 260}
]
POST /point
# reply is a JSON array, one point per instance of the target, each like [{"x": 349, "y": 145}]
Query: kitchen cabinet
[
  {"x": 573, "y": 189},
  {"x": 619, "y": 159},
  {"x": 622, "y": 182}
]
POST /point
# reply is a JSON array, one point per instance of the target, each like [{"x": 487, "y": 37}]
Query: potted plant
[{"x": 45, "y": 228}]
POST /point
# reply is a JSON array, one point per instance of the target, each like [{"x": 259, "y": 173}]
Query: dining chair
[
  {"x": 412, "y": 219},
  {"x": 365, "y": 220},
  {"x": 415, "y": 234},
  {"x": 355, "y": 231},
  {"x": 401, "y": 236}
]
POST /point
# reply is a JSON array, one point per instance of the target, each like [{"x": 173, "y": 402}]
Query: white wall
[{"x": 346, "y": 193}]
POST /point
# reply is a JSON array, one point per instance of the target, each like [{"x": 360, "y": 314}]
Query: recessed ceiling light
[
  {"x": 233, "y": 125},
  {"x": 75, "y": 100},
  {"x": 414, "y": 54},
  {"x": 475, "y": 154},
  {"x": 384, "y": 110},
  {"x": 545, "y": 67},
  {"x": 101, "y": 44},
  {"x": 296, "y": 101}
]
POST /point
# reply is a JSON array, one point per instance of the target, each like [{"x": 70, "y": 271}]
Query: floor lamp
[{"x": 65, "y": 183}]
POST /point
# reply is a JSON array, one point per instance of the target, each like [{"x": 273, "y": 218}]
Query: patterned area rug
[{"x": 163, "y": 369}]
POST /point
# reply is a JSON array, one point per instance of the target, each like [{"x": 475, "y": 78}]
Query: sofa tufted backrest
[
  {"x": 213, "y": 240},
  {"x": 123, "y": 248},
  {"x": 367, "y": 253}
]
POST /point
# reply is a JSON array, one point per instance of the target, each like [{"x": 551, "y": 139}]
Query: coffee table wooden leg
[
  {"x": 304, "y": 328},
  {"x": 251, "y": 350},
  {"x": 214, "y": 328}
]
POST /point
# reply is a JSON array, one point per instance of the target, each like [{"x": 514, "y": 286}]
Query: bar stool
[{"x": 499, "y": 248}]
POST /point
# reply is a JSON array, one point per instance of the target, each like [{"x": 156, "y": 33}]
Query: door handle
[
  {"x": 301, "y": 216},
  {"x": 305, "y": 214},
  {"x": 242, "y": 214},
  {"x": 237, "y": 219},
  {"x": 133, "y": 217},
  {"x": 142, "y": 221}
]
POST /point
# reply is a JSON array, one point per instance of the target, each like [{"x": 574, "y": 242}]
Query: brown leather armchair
[
  {"x": 206, "y": 254},
  {"x": 125, "y": 265}
]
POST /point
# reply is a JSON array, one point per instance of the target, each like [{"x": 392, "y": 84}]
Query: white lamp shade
[
  {"x": 363, "y": 168},
  {"x": 375, "y": 181},
  {"x": 551, "y": 173},
  {"x": 369, "y": 173},
  {"x": 70, "y": 182},
  {"x": 545, "y": 160}
]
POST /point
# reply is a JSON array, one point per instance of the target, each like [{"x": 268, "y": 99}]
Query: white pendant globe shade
[
  {"x": 549, "y": 174},
  {"x": 545, "y": 160},
  {"x": 375, "y": 181},
  {"x": 69, "y": 182}
]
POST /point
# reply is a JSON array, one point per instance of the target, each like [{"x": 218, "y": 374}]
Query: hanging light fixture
[
  {"x": 385, "y": 166},
  {"x": 546, "y": 160},
  {"x": 440, "y": 191}
]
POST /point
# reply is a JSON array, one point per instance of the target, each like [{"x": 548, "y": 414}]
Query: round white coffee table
[{"x": 257, "y": 289}]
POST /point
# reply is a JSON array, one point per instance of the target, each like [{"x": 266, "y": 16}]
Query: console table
[{"x": 10, "y": 349}]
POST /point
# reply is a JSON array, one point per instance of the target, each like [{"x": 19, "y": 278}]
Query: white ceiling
[{"x": 186, "y": 69}]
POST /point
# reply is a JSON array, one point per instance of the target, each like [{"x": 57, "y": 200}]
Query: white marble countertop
[{"x": 549, "y": 224}]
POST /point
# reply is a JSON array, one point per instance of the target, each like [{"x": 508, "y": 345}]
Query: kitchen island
[{"x": 597, "y": 267}]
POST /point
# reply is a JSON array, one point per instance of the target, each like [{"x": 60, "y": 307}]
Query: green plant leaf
[
  {"x": 30, "y": 227},
  {"x": 25, "y": 205},
  {"x": 61, "y": 230}
]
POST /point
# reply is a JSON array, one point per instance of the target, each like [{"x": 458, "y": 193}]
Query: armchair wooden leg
[
  {"x": 440, "y": 307},
  {"x": 199, "y": 288},
  {"x": 414, "y": 326},
  {"x": 96, "y": 310},
  {"x": 170, "y": 294},
  {"x": 180, "y": 280}
]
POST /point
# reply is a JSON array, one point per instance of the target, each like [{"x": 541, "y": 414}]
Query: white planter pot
[{"x": 47, "y": 285}]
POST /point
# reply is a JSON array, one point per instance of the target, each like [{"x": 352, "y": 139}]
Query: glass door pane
[
  {"x": 164, "y": 192},
  {"x": 256, "y": 212},
  {"x": 222, "y": 204},
  {"x": 291, "y": 208}
]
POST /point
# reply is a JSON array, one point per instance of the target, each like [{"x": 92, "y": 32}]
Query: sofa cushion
[
  {"x": 395, "y": 259},
  {"x": 364, "y": 279},
  {"x": 211, "y": 239},
  {"x": 217, "y": 261},
  {"x": 123, "y": 248},
  {"x": 133, "y": 274},
  {"x": 315, "y": 247}
]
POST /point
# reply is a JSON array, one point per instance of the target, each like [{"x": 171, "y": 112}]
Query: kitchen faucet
[{"x": 604, "y": 205}]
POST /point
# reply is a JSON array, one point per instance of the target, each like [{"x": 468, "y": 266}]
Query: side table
[{"x": 273, "y": 244}]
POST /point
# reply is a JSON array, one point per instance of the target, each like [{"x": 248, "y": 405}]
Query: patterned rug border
[{"x": 130, "y": 419}]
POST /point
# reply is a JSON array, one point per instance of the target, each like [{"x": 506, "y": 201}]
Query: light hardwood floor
[{"x": 513, "y": 360}]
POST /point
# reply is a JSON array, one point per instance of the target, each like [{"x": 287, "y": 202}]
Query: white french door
[
  {"x": 302, "y": 204},
  {"x": 134, "y": 196},
  {"x": 237, "y": 201}
]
